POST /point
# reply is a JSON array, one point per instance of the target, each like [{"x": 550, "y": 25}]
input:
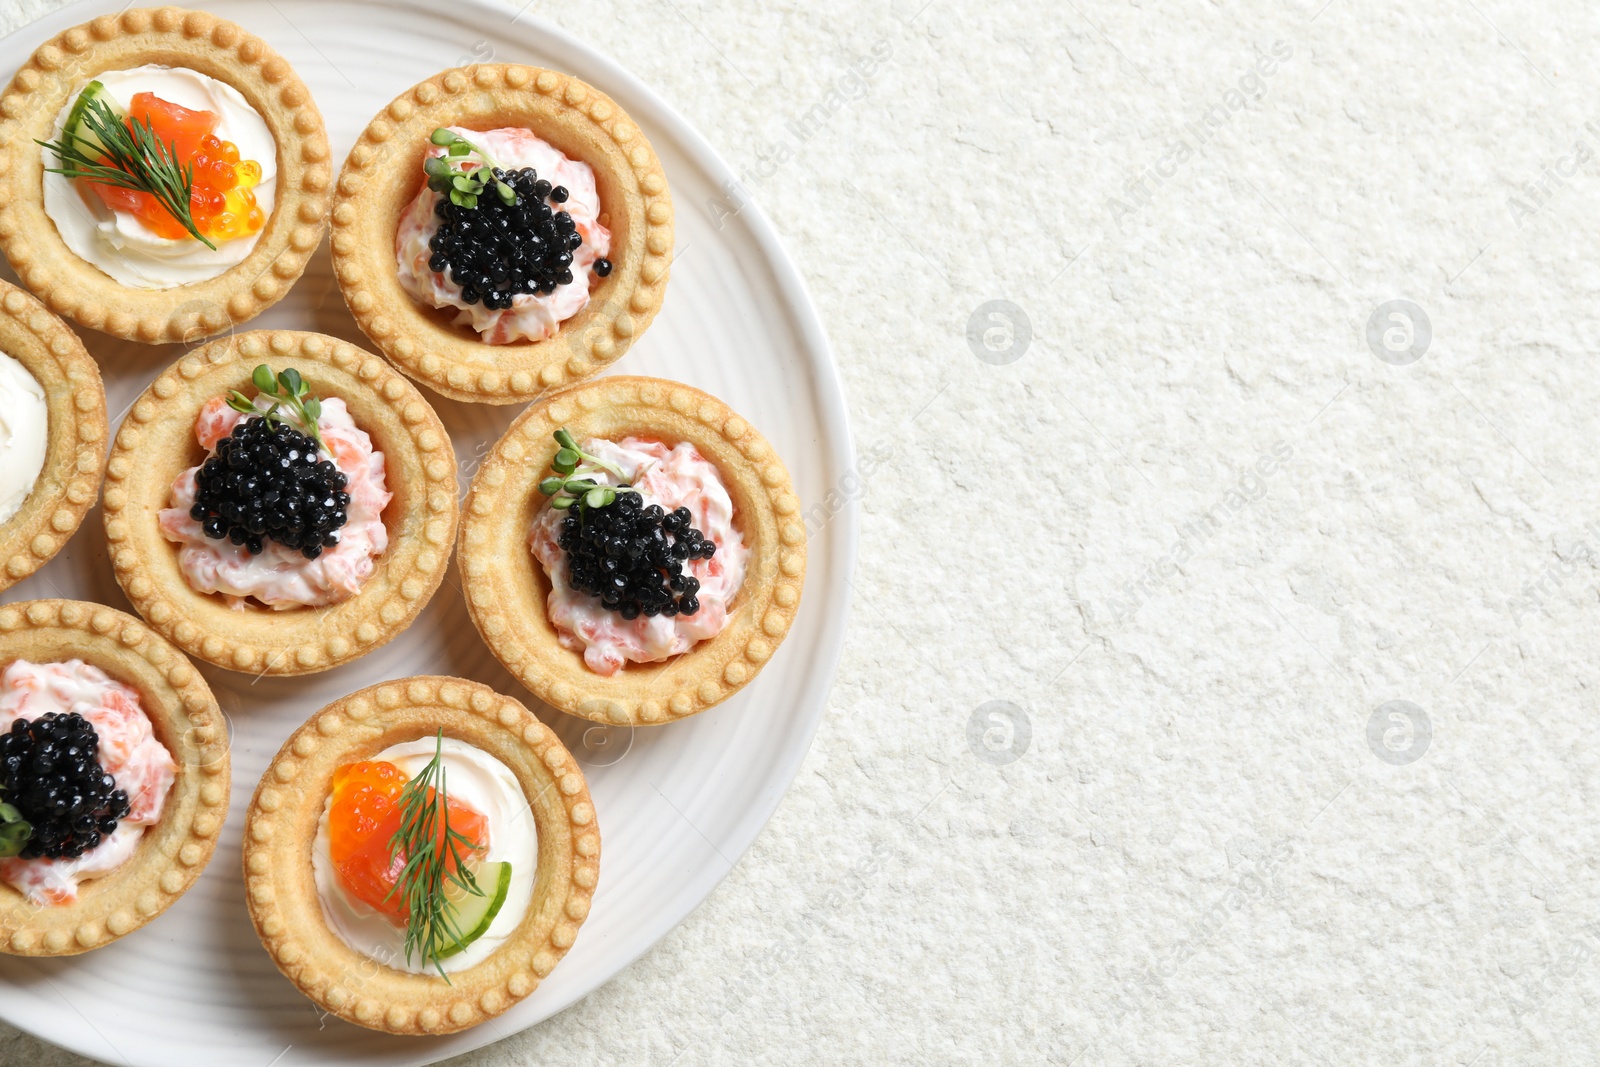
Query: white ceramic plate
[{"x": 677, "y": 804}]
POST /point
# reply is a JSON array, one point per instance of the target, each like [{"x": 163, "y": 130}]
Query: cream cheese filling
[
  {"x": 120, "y": 244},
  {"x": 473, "y": 776},
  {"x": 24, "y": 435}
]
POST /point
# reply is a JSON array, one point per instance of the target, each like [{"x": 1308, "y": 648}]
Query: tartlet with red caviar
[
  {"x": 411, "y": 950},
  {"x": 163, "y": 174}
]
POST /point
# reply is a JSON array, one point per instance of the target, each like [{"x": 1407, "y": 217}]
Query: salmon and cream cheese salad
[
  {"x": 506, "y": 233},
  {"x": 640, "y": 547},
  {"x": 287, "y": 508},
  {"x": 82, "y": 776}
]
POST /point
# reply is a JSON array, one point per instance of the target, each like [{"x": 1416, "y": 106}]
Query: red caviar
[
  {"x": 364, "y": 817},
  {"x": 220, "y": 201}
]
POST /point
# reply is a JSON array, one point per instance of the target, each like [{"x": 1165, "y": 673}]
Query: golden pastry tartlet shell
[
  {"x": 214, "y": 47},
  {"x": 506, "y": 587},
  {"x": 383, "y": 174},
  {"x": 156, "y": 443},
  {"x": 282, "y": 824},
  {"x": 75, "y": 457},
  {"x": 186, "y": 720}
]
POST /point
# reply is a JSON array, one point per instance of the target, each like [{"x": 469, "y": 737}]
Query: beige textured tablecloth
[{"x": 1222, "y": 678}]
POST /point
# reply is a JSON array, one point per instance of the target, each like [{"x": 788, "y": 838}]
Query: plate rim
[{"x": 836, "y": 435}]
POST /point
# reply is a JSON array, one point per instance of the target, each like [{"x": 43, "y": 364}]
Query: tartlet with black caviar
[
  {"x": 280, "y": 502},
  {"x": 114, "y": 772},
  {"x": 633, "y": 551},
  {"x": 502, "y": 230}
]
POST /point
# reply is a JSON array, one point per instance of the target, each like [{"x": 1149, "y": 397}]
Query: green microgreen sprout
[
  {"x": 574, "y": 482},
  {"x": 14, "y": 830},
  {"x": 286, "y": 389},
  {"x": 448, "y": 175}
]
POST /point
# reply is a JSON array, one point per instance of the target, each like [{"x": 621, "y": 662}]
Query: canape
[
  {"x": 52, "y": 434},
  {"x": 501, "y": 230},
  {"x": 280, "y": 502},
  {"x": 113, "y": 776},
  {"x": 163, "y": 174},
  {"x": 420, "y": 855},
  {"x": 633, "y": 550}
]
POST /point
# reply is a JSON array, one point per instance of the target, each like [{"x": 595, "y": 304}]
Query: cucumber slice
[
  {"x": 474, "y": 915},
  {"x": 77, "y": 125}
]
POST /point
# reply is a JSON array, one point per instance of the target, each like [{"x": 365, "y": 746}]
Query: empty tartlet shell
[
  {"x": 214, "y": 47},
  {"x": 186, "y": 720},
  {"x": 156, "y": 443},
  {"x": 383, "y": 174},
  {"x": 282, "y": 824},
  {"x": 506, "y": 587},
  {"x": 75, "y": 456}
]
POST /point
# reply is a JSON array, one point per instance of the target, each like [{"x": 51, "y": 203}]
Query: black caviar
[
  {"x": 50, "y": 772},
  {"x": 495, "y": 250},
  {"x": 266, "y": 480},
  {"x": 631, "y": 556}
]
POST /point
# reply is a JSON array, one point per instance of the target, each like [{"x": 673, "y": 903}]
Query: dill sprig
[
  {"x": 128, "y": 155},
  {"x": 429, "y": 845}
]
